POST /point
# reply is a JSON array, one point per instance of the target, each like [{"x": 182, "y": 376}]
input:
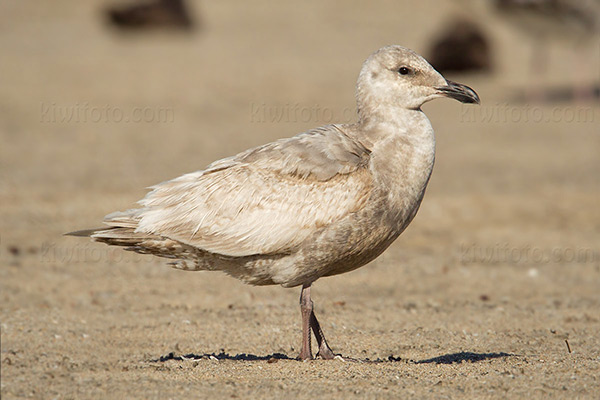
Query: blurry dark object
[
  {"x": 567, "y": 22},
  {"x": 552, "y": 17},
  {"x": 14, "y": 250},
  {"x": 561, "y": 94},
  {"x": 462, "y": 46},
  {"x": 169, "y": 14}
]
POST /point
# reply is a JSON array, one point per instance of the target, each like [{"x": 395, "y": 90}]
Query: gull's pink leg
[
  {"x": 306, "y": 308},
  {"x": 324, "y": 349},
  {"x": 309, "y": 321}
]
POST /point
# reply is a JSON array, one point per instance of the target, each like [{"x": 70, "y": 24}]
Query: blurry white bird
[{"x": 321, "y": 203}]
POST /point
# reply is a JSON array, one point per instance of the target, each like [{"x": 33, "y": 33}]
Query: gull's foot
[
  {"x": 337, "y": 357},
  {"x": 304, "y": 356},
  {"x": 326, "y": 354}
]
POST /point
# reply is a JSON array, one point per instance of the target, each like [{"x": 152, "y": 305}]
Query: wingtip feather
[{"x": 83, "y": 232}]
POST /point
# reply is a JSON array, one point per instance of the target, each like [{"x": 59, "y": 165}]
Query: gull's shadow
[
  {"x": 444, "y": 359},
  {"x": 462, "y": 356},
  {"x": 222, "y": 356}
]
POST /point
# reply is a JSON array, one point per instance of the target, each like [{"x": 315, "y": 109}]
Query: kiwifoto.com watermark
[
  {"x": 504, "y": 113},
  {"x": 296, "y": 112},
  {"x": 82, "y": 113},
  {"x": 506, "y": 253},
  {"x": 499, "y": 113}
]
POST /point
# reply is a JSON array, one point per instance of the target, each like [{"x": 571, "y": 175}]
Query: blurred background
[{"x": 100, "y": 99}]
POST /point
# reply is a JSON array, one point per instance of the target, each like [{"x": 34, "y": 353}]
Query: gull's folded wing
[{"x": 263, "y": 201}]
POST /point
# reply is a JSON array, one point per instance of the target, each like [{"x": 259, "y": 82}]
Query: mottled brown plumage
[{"x": 321, "y": 203}]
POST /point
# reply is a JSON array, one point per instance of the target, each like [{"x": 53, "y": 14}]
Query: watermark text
[{"x": 82, "y": 113}]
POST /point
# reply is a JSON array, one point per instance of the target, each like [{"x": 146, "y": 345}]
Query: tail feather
[
  {"x": 121, "y": 231},
  {"x": 115, "y": 235},
  {"x": 123, "y": 219},
  {"x": 121, "y": 227},
  {"x": 121, "y": 236},
  {"x": 84, "y": 232}
]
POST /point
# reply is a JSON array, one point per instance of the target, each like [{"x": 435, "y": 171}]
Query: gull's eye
[{"x": 404, "y": 71}]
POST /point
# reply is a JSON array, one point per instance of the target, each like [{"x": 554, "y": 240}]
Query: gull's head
[{"x": 395, "y": 76}]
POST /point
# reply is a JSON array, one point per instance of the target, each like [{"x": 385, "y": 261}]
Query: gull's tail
[{"x": 121, "y": 231}]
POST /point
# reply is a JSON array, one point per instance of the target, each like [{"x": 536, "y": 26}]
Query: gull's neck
[
  {"x": 402, "y": 156},
  {"x": 409, "y": 125}
]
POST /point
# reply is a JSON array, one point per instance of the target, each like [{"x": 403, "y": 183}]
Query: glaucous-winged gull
[{"x": 321, "y": 203}]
